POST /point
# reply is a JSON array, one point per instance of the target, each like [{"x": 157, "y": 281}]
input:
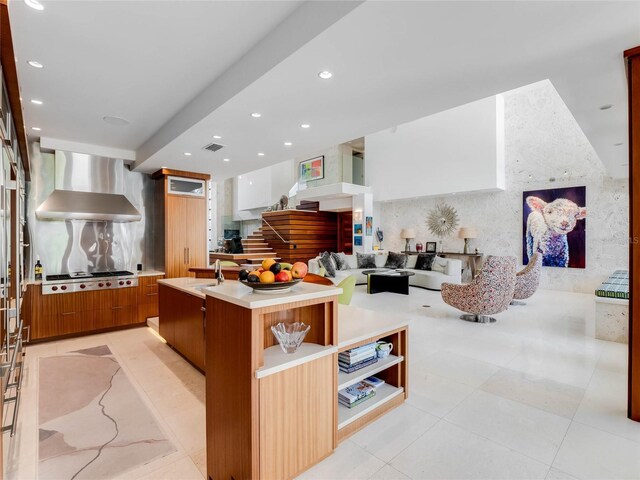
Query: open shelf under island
[{"x": 272, "y": 415}]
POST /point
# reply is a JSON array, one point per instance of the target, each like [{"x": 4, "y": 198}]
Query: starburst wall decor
[{"x": 442, "y": 220}]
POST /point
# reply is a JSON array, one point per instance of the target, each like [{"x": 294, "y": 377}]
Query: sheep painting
[{"x": 554, "y": 226}]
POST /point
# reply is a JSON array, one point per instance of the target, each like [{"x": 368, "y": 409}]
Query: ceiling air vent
[{"x": 213, "y": 147}]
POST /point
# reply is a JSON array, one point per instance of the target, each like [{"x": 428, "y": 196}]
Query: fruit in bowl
[{"x": 299, "y": 270}]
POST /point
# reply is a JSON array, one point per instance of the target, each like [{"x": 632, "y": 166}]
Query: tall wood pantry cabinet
[{"x": 182, "y": 201}]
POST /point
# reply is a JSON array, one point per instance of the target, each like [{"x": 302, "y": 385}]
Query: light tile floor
[{"x": 532, "y": 396}]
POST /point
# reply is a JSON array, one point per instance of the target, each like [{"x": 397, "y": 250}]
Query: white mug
[{"x": 384, "y": 349}]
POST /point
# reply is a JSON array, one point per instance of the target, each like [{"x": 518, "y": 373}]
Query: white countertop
[
  {"x": 235, "y": 292},
  {"x": 612, "y": 300},
  {"x": 356, "y": 324},
  {"x": 275, "y": 360},
  {"x": 149, "y": 273},
  {"x": 187, "y": 284}
]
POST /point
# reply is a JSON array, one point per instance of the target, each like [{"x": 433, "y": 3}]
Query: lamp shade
[
  {"x": 407, "y": 233},
  {"x": 468, "y": 232}
]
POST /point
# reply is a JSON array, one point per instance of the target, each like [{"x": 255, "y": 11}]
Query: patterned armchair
[
  {"x": 528, "y": 279},
  {"x": 487, "y": 294}
]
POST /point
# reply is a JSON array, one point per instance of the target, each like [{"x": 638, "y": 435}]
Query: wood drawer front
[
  {"x": 147, "y": 310},
  {"x": 61, "y": 324},
  {"x": 122, "y": 297},
  {"x": 124, "y": 315}
]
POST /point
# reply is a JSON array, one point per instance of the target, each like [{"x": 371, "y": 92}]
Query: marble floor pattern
[{"x": 531, "y": 396}]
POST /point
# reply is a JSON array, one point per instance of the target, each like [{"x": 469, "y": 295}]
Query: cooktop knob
[
  {"x": 108, "y": 284},
  {"x": 63, "y": 287},
  {"x": 128, "y": 282},
  {"x": 54, "y": 288},
  {"x": 101, "y": 285},
  {"x": 82, "y": 285},
  {"x": 121, "y": 282}
]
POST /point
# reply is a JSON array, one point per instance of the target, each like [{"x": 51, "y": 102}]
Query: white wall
[
  {"x": 542, "y": 141},
  {"x": 254, "y": 191},
  {"x": 459, "y": 150}
]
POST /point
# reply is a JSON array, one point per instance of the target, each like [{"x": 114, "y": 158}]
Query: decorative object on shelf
[
  {"x": 368, "y": 226},
  {"x": 383, "y": 349},
  {"x": 408, "y": 234},
  {"x": 275, "y": 288},
  {"x": 431, "y": 247},
  {"x": 442, "y": 220},
  {"x": 419, "y": 247},
  {"x": 290, "y": 335},
  {"x": 380, "y": 237},
  {"x": 357, "y": 228},
  {"x": 551, "y": 226},
  {"x": 467, "y": 233},
  {"x": 357, "y": 240},
  {"x": 312, "y": 169}
]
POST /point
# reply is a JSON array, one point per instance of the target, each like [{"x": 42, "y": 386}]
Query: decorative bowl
[
  {"x": 276, "y": 287},
  {"x": 290, "y": 335}
]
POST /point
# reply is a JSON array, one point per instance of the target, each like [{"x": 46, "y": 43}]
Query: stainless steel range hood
[{"x": 88, "y": 188}]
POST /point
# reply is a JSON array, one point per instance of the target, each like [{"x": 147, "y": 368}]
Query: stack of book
[
  {"x": 356, "y": 394},
  {"x": 357, "y": 358}
]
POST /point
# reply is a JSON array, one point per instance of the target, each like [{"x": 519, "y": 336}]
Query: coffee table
[{"x": 394, "y": 281}]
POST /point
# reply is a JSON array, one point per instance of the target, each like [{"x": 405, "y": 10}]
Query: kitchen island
[{"x": 272, "y": 415}]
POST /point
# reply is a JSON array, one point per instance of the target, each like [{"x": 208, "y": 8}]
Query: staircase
[{"x": 255, "y": 249}]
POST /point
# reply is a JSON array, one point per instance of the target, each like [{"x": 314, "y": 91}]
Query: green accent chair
[
  {"x": 347, "y": 285},
  {"x": 228, "y": 263}
]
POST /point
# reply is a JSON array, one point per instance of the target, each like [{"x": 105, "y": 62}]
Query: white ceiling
[{"x": 393, "y": 62}]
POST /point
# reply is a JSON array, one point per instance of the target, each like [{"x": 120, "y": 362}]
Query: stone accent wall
[{"x": 543, "y": 142}]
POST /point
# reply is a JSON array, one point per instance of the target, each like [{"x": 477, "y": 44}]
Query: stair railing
[{"x": 264, "y": 220}]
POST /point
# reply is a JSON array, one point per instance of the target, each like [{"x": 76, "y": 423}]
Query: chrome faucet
[{"x": 217, "y": 269}]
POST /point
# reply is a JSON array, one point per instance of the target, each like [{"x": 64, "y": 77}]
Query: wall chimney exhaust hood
[{"x": 88, "y": 187}]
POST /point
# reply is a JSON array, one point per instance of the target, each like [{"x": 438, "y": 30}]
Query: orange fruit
[
  {"x": 267, "y": 277},
  {"x": 267, "y": 262}
]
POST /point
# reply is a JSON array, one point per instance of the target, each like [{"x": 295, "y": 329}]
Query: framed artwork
[
  {"x": 431, "y": 247},
  {"x": 357, "y": 228},
  {"x": 553, "y": 224},
  {"x": 368, "y": 224},
  {"x": 357, "y": 240},
  {"x": 312, "y": 169}
]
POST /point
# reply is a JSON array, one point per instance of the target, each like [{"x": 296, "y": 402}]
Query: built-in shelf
[
  {"x": 384, "y": 393},
  {"x": 346, "y": 379},
  {"x": 275, "y": 360}
]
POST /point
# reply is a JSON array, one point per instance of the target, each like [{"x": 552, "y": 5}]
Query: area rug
[{"x": 92, "y": 422}]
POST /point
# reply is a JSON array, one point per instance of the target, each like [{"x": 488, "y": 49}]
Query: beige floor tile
[
  {"x": 348, "y": 461},
  {"x": 189, "y": 428},
  {"x": 183, "y": 469}
]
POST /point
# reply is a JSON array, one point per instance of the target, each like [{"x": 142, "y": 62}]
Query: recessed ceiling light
[
  {"x": 35, "y": 4},
  {"x": 305, "y": 125},
  {"x": 117, "y": 121},
  {"x": 239, "y": 177},
  {"x": 217, "y": 137},
  {"x": 260, "y": 154},
  {"x": 250, "y": 182},
  {"x": 256, "y": 115},
  {"x": 618, "y": 144},
  {"x": 36, "y": 129},
  {"x": 287, "y": 144},
  {"x": 35, "y": 64},
  {"x": 36, "y": 102},
  {"x": 325, "y": 74},
  {"x": 565, "y": 172},
  {"x": 187, "y": 154},
  {"x": 606, "y": 107},
  {"x": 226, "y": 159}
]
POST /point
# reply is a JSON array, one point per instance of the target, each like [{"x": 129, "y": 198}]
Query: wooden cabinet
[
  {"x": 182, "y": 323},
  {"x": 185, "y": 223},
  {"x": 76, "y": 313}
]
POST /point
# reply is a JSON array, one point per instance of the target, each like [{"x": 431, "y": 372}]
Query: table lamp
[
  {"x": 408, "y": 234},
  {"x": 467, "y": 233}
]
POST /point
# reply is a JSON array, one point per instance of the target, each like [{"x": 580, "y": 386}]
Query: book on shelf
[
  {"x": 357, "y": 402},
  {"x": 360, "y": 357},
  {"x": 352, "y": 368},
  {"x": 355, "y": 392},
  {"x": 375, "y": 382},
  {"x": 357, "y": 350}
]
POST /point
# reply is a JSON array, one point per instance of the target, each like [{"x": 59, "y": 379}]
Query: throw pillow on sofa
[
  {"x": 425, "y": 261},
  {"x": 439, "y": 265},
  {"x": 366, "y": 260},
  {"x": 396, "y": 260},
  {"x": 328, "y": 263},
  {"x": 341, "y": 261}
]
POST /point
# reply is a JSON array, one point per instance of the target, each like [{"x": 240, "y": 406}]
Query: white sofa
[{"x": 422, "y": 278}]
